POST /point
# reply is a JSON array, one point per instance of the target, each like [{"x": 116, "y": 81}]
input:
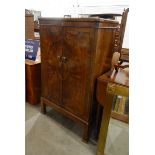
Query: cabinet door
[
  {"x": 76, "y": 70},
  {"x": 51, "y": 50}
]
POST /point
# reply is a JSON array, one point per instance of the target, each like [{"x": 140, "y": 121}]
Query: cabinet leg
[
  {"x": 86, "y": 134},
  {"x": 43, "y": 108}
]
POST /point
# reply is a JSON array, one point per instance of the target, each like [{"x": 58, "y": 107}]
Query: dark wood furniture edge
[{"x": 32, "y": 85}]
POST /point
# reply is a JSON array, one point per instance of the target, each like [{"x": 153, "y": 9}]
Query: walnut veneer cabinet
[{"x": 74, "y": 52}]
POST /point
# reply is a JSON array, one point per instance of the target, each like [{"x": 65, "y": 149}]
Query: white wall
[{"x": 59, "y": 8}]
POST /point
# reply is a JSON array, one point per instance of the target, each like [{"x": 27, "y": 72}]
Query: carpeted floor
[{"x": 54, "y": 134}]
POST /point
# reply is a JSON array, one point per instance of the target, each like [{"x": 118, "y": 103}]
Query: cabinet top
[{"x": 90, "y": 19}]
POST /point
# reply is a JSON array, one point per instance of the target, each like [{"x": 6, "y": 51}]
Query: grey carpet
[{"x": 54, "y": 134}]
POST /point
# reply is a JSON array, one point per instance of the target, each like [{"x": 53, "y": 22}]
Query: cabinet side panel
[
  {"x": 102, "y": 57},
  {"x": 104, "y": 48}
]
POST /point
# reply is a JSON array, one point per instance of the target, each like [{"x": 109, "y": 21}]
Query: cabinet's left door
[{"x": 51, "y": 51}]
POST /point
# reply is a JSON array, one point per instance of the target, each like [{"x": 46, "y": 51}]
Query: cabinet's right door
[{"x": 76, "y": 70}]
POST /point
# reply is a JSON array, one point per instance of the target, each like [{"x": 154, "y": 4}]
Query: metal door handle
[
  {"x": 64, "y": 59},
  {"x": 60, "y": 58}
]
